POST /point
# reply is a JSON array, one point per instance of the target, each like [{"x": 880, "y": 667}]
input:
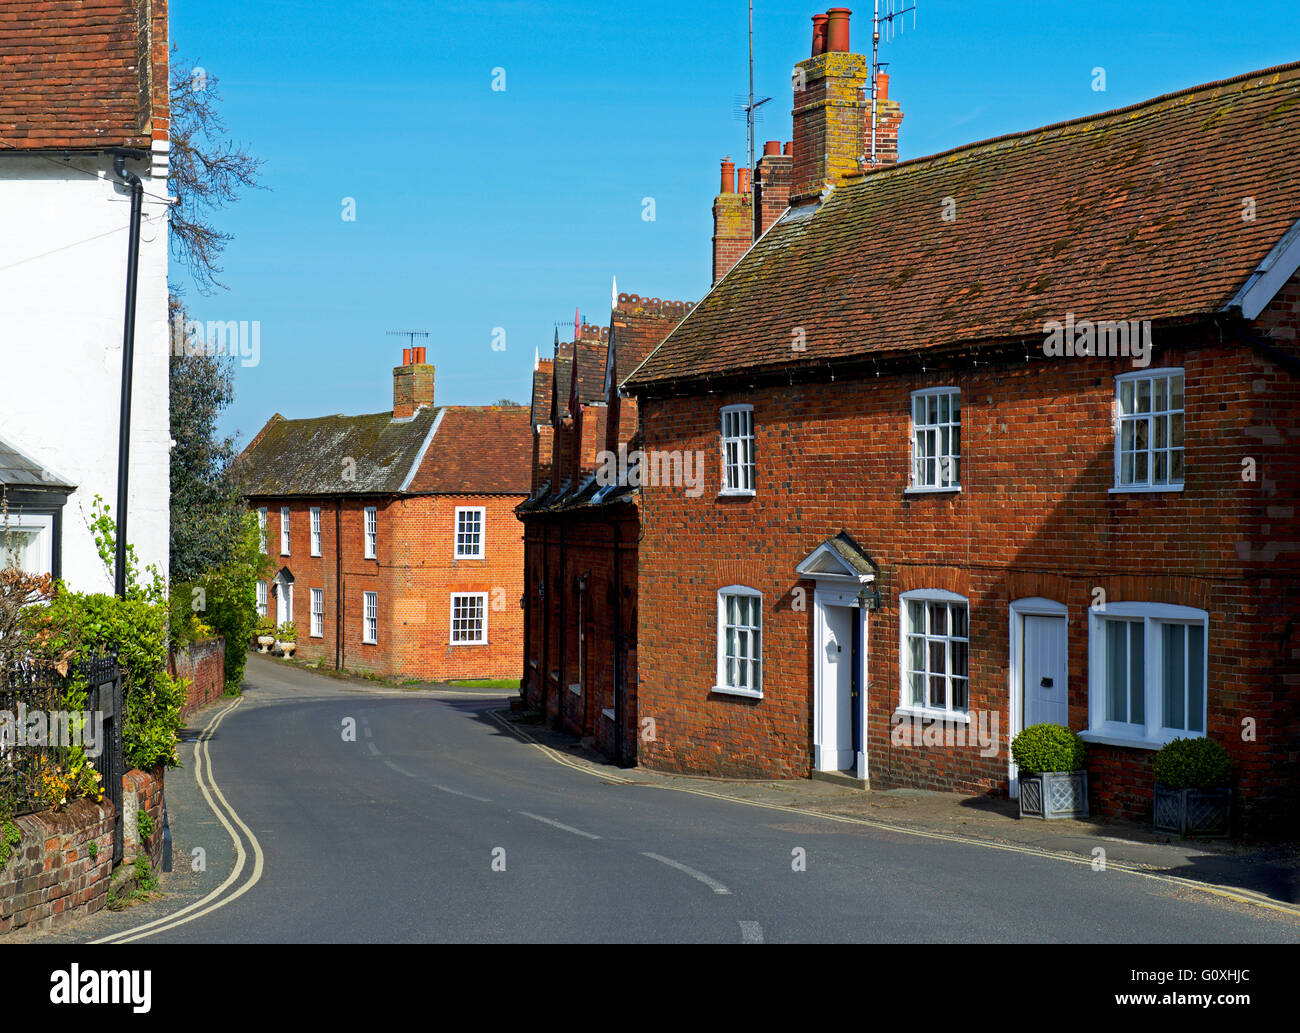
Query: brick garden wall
[
  {"x": 52, "y": 875},
  {"x": 204, "y": 664}
]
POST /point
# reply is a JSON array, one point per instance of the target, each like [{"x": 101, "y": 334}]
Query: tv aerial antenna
[
  {"x": 894, "y": 10},
  {"x": 751, "y": 106},
  {"x": 412, "y": 334}
]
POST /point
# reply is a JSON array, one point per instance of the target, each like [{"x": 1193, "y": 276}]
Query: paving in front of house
[{"x": 1267, "y": 873}]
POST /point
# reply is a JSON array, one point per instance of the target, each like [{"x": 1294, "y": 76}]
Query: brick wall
[
  {"x": 204, "y": 664},
  {"x": 52, "y": 875},
  {"x": 414, "y": 574},
  {"x": 1035, "y": 517}
]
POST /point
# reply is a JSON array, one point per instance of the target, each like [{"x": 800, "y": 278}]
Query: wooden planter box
[
  {"x": 1192, "y": 812},
  {"x": 1054, "y": 794}
]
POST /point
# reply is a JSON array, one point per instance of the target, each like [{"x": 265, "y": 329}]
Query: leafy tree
[
  {"x": 205, "y": 503},
  {"x": 207, "y": 171}
]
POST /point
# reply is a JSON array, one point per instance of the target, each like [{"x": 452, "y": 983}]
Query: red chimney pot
[
  {"x": 789, "y": 148},
  {"x": 837, "y": 29},
  {"x": 728, "y": 176},
  {"x": 771, "y": 147},
  {"x": 742, "y": 177},
  {"x": 819, "y": 34},
  {"x": 406, "y": 356}
]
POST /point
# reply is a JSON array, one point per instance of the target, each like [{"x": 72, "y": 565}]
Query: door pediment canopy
[
  {"x": 839, "y": 559},
  {"x": 284, "y": 576}
]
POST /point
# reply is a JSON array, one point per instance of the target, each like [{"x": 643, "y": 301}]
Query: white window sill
[
  {"x": 1143, "y": 489},
  {"x": 607, "y": 713},
  {"x": 370, "y": 641},
  {"x": 1136, "y": 742},
  {"x": 576, "y": 688},
  {"x": 727, "y": 690},
  {"x": 315, "y": 554},
  {"x": 317, "y": 634},
  {"x": 465, "y": 556},
  {"x": 955, "y": 717},
  {"x": 932, "y": 490},
  {"x": 478, "y": 642},
  {"x": 737, "y": 493}
]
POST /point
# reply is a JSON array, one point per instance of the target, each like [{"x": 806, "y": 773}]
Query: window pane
[
  {"x": 1176, "y": 391},
  {"x": 959, "y": 694},
  {"x": 1126, "y": 436},
  {"x": 1161, "y": 429},
  {"x": 917, "y": 650},
  {"x": 918, "y": 690},
  {"x": 1195, "y": 678},
  {"x": 938, "y": 691},
  {"x": 938, "y": 619},
  {"x": 916, "y": 616},
  {"x": 938, "y": 657},
  {"x": 1143, "y": 395},
  {"x": 1126, "y": 397},
  {"x": 932, "y": 409},
  {"x": 1160, "y": 387},
  {"x": 1174, "y": 675},
  {"x": 1137, "y": 678},
  {"x": 958, "y": 621},
  {"x": 1176, "y": 430},
  {"x": 960, "y": 658},
  {"x": 956, "y": 407},
  {"x": 1140, "y": 468},
  {"x": 1116, "y": 671}
]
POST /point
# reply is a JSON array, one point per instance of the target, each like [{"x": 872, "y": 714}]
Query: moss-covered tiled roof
[
  {"x": 335, "y": 455},
  {"x": 1134, "y": 214}
]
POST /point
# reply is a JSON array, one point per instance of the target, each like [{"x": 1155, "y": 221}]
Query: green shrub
[
  {"x": 287, "y": 632},
  {"x": 10, "y": 837},
  {"x": 1192, "y": 764},
  {"x": 1047, "y": 747},
  {"x": 231, "y": 599},
  {"x": 144, "y": 825}
]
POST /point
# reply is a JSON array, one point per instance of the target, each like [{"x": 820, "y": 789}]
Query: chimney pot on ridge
[
  {"x": 837, "y": 30},
  {"x": 819, "y": 34}
]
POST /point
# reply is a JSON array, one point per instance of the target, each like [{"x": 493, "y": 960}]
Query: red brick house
[
  {"x": 999, "y": 436},
  {"x": 394, "y": 533},
  {"x": 581, "y": 528}
]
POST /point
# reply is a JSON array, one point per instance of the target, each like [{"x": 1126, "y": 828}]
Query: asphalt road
[{"x": 435, "y": 823}]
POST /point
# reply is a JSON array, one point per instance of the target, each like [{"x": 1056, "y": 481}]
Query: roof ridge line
[{"x": 1022, "y": 133}]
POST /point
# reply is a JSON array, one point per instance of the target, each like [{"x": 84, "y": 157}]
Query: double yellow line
[{"x": 217, "y": 803}]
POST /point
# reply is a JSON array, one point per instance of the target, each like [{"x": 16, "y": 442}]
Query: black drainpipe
[
  {"x": 133, "y": 183},
  {"x": 563, "y": 629}
]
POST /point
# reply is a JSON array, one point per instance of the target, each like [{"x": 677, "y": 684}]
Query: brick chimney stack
[
  {"x": 733, "y": 223},
  {"x": 771, "y": 185},
  {"x": 412, "y": 384},
  {"x": 832, "y": 111}
]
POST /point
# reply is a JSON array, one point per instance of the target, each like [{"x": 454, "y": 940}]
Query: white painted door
[
  {"x": 836, "y": 741},
  {"x": 1044, "y": 671}
]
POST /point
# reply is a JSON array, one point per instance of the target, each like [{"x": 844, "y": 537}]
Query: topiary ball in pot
[
  {"x": 1192, "y": 764},
  {"x": 1047, "y": 747}
]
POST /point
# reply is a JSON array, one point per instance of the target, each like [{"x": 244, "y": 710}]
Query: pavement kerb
[{"x": 1240, "y": 896}]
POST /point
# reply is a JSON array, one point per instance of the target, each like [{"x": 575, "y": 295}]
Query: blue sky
[{"x": 479, "y": 208}]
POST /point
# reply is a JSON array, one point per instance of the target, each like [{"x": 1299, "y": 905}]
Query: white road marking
[
  {"x": 369, "y": 734},
  {"x": 457, "y": 792},
  {"x": 559, "y": 825},
  {"x": 400, "y": 771},
  {"x": 373, "y": 748},
  {"x": 709, "y": 881},
  {"x": 751, "y": 932}
]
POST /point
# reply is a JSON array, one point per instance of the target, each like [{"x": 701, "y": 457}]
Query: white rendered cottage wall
[{"x": 63, "y": 250}]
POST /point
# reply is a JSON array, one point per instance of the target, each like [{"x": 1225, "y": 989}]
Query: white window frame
[
  {"x": 482, "y": 598},
  {"x": 1161, "y": 373},
  {"x": 482, "y": 533},
  {"x": 261, "y": 528},
  {"x": 944, "y": 459},
  {"x": 1151, "y": 732},
  {"x": 284, "y": 530},
  {"x": 370, "y": 520},
  {"x": 370, "y": 618},
  {"x": 42, "y": 549},
  {"x": 317, "y": 613},
  {"x": 906, "y": 705},
  {"x": 721, "y": 682},
  {"x": 263, "y": 598},
  {"x": 315, "y": 530},
  {"x": 744, "y": 465}
]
